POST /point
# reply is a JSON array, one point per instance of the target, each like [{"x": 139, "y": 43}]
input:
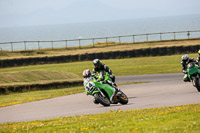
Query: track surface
[{"x": 163, "y": 90}]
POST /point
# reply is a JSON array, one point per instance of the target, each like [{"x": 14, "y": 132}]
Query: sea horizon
[{"x": 99, "y": 29}]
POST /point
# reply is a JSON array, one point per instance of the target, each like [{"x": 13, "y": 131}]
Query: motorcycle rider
[
  {"x": 102, "y": 67},
  {"x": 198, "y": 58},
  {"x": 185, "y": 61},
  {"x": 87, "y": 76}
]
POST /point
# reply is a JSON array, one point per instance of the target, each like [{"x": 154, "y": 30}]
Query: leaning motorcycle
[
  {"x": 104, "y": 93},
  {"x": 194, "y": 75}
]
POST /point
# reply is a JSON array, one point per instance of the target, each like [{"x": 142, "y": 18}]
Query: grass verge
[
  {"x": 128, "y": 66},
  {"x": 35, "y": 77},
  {"x": 176, "y": 119},
  {"x": 17, "y": 98}
]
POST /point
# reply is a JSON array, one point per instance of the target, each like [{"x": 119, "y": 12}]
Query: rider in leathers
[
  {"x": 198, "y": 58},
  {"x": 185, "y": 61},
  {"x": 102, "y": 67}
]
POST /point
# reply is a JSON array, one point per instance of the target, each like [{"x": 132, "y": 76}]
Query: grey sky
[{"x": 45, "y": 12}]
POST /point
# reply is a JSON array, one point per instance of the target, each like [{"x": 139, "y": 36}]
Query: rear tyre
[
  {"x": 196, "y": 82},
  {"x": 101, "y": 99},
  {"x": 123, "y": 99}
]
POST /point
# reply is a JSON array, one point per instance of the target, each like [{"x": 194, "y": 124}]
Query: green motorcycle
[
  {"x": 194, "y": 74},
  {"x": 104, "y": 93}
]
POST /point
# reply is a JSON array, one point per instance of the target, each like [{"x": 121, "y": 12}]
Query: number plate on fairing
[{"x": 90, "y": 86}]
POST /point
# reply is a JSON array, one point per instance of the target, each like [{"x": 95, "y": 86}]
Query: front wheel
[
  {"x": 196, "y": 83},
  {"x": 123, "y": 99},
  {"x": 101, "y": 99}
]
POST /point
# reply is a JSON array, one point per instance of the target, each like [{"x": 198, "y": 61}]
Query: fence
[{"x": 164, "y": 36}]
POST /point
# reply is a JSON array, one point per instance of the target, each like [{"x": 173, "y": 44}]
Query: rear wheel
[
  {"x": 101, "y": 99},
  {"x": 196, "y": 83},
  {"x": 123, "y": 99}
]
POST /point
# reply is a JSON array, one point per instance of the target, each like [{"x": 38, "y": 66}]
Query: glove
[
  {"x": 111, "y": 76},
  {"x": 184, "y": 71},
  {"x": 99, "y": 79},
  {"x": 94, "y": 75}
]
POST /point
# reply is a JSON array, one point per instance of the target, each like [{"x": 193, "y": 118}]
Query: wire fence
[{"x": 135, "y": 38}]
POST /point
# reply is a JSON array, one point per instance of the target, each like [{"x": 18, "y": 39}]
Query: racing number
[{"x": 90, "y": 86}]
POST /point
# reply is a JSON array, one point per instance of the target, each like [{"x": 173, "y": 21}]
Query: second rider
[{"x": 98, "y": 67}]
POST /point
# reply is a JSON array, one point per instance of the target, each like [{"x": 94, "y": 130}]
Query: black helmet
[
  {"x": 185, "y": 58},
  {"x": 96, "y": 62},
  {"x": 87, "y": 73}
]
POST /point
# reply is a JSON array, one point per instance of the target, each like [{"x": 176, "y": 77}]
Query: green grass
[
  {"x": 17, "y": 98},
  {"x": 176, "y": 119},
  {"x": 31, "y": 77},
  {"x": 128, "y": 66}
]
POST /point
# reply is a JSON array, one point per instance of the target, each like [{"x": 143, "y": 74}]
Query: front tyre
[
  {"x": 101, "y": 99},
  {"x": 123, "y": 99}
]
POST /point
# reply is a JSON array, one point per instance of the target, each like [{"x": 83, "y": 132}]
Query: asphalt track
[{"x": 162, "y": 90}]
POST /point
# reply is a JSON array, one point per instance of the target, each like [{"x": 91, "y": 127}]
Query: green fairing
[
  {"x": 107, "y": 77},
  {"x": 107, "y": 88},
  {"x": 192, "y": 71}
]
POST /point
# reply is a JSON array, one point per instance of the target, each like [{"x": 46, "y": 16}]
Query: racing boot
[
  {"x": 186, "y": 78},
  {"x": 115, "y": 99},
  {"x": 116, "y": 88}
]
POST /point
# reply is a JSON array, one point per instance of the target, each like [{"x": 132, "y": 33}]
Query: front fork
[
  {"x": 111, "y": 98},
  {"x": 192, "y": 78},
  {"x": 98, "y": 90}
]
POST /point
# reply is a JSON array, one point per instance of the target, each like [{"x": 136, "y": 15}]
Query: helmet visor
[{"x": 97, "y": 64}]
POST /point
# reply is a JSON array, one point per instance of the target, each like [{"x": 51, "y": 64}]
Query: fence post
[
  {"x": 39, "y": 45},
  {"x": 119, "y": 40},
  {"x": 52, "y": 45},
  {"x": 147, "y": 37},
  {"x": 79, "y": 43},
  {"x": 25, "y": 45},
  {"x": 12, "y": 46},
  {"x": 66, "y": 43},
  {"x": 174, "y": 35},
  {"x": 160, "y": 36},
  {"x": 93, "y": 42},
  {"x": 133, "y": 38},
  {"x": 188, "y": 34}
]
